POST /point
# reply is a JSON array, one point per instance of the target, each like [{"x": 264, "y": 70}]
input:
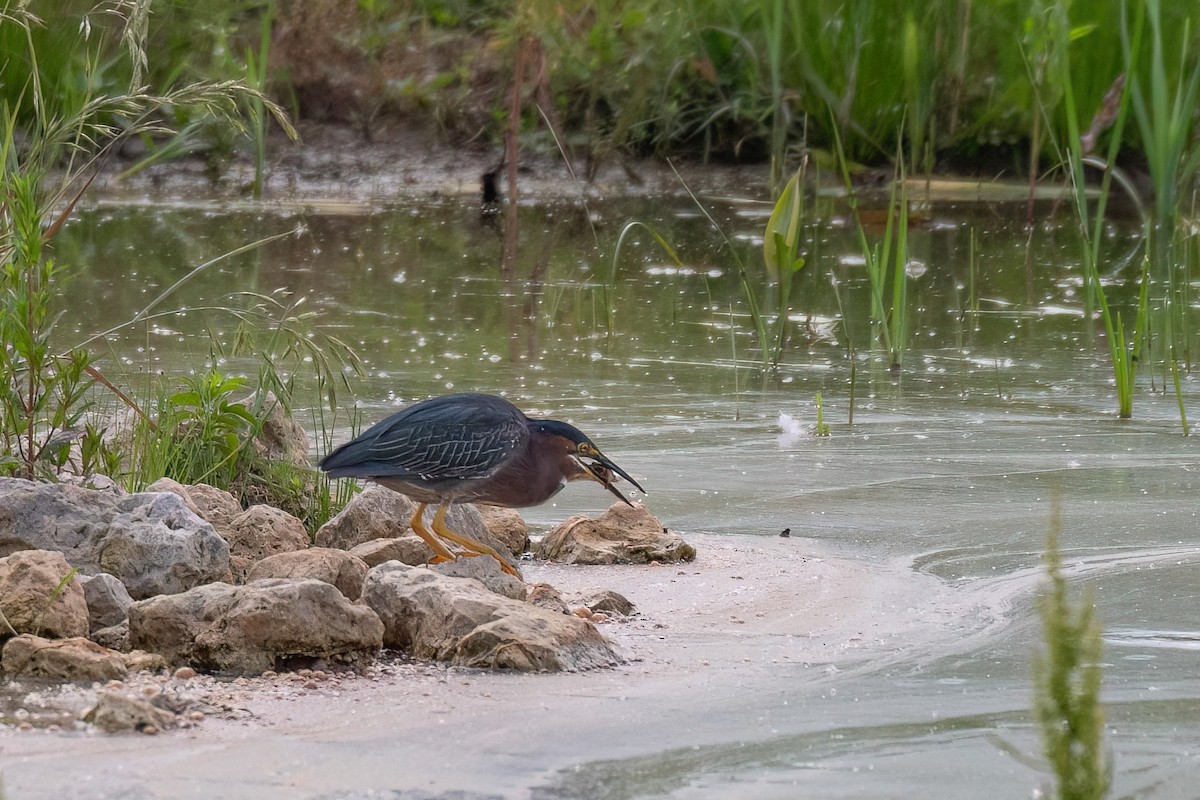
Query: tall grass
[
  {"x": 199, "y": 433},
  {"x": 1125, "y": 345},
  {"x": 1165, "y": 102},
  {"x": 948, "y": 78},
  {"x": 886, "y": 260}
]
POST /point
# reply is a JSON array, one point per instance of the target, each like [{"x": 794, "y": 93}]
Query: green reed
[
  {"x": 1164, "y": 94},
  {"x": 1125, "y": 349},
  {"x": 886, "y": 260}
]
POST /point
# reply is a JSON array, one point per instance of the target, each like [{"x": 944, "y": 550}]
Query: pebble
[{"x": 184, "y": 674}]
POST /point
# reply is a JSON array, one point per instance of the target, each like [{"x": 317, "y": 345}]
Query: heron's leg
[
  {"x": 476, "y": 547},
  {"x": 417, "y": 523}
]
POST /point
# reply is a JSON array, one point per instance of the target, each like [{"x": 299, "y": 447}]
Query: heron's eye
[{"x": 586, "y": 449}]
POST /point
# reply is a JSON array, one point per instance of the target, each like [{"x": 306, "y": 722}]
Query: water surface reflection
[{"x": 1003, "y": 403}]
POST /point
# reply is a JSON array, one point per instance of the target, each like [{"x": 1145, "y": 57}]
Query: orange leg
[
  {"x": 417, "y": 523},
  {"x": 473, "y": 546}
]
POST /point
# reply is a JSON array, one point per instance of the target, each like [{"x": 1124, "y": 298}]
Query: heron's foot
[
  {"x": 441, "y": 553},
  {"x": 474, "y": 547}
]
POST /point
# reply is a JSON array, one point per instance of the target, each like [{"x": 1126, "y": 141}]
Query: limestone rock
[
  {"x": 507, "y": 526},
  {"x": 217, "y": 506},
  {"x": 451, "y": 619},
  {"x": 487, "y": 571},
  {"x": 261, "y": 531},
  {"x": 115, "y": 712},
  {"x": 546, "y": 596},
  {"x": 342, "y": 569},
  {"x": 621, "y": 535},
  {"x": 609, "y": 602},
  {"x": 115, "y": 637},
  {"x": 280, "y": 438},
  {"x": 374, "y": 513},
  {"x": 176, "y": 488},
  {"x": 74, "y": 659},
  {"x": 151, "y": 542},
  {"x": 410, "y": 549},
  {"x": 107, "y": 600},
  {"x": 270, "y": 624},
  {"x": 34, "y": 599},
  {"x": 379, "y": 513}
]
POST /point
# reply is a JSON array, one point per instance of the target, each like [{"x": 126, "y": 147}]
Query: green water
[{"x": 1003, "y": 402}]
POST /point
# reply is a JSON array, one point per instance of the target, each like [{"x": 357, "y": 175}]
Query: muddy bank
[
  {"x": 333, "y": 167},
  {"x": 750, "y": 631}
]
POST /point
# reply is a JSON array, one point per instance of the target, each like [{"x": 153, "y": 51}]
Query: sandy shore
[{"x": 716, "y": 644}]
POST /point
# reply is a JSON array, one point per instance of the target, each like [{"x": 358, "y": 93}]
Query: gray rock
[
  {"x": 150, "y": 541},
  {"x": 107, "y": 600},
  {"x": 609, "y": 602},
  {"x": 280, "y": 438},
  {"x": 507, "y": 526},
  {"x": 40, "y": 595},
  {"x": 546, "y": 596},
  {"x": 271, "y": 624},
  {"x": 175, "y": 487},
  {"x": 487, "y": 571},
  {"x": 215, "y": 505},
  {"x": 621, "y": 535},
  {"x": 379, "y": 513},
  {"x": 456, "y": 620},
  {"x": 342, "y": 569},
  {"x": 115, "y": 712},
  {"x": 74, "y": 659},
  {"x": 114, "y": 638},
  {"x": 259, "y": 532},
  {"x": 409, "y": 549},
  {"x": 374, "y": 513}
]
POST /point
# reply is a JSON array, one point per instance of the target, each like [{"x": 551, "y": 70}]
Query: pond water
[{"x": 1003, "y": 407}]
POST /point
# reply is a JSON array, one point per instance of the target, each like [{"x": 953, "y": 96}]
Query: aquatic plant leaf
[{"x": 783, "y": 229}]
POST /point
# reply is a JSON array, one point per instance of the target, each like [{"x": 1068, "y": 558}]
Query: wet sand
[{"x": 719, "y": 647}]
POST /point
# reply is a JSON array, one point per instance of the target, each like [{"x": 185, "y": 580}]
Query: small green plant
[
  {"x": 201, "y": 435},
  {"x": 781, "y": 253},
  {"x": 822, "y": 428},
  {"x": 886, "y": 260},
  {"x": 1068, "y": 677},
  {"x": 43, "y": 391},
  {"x": 55, "y": 594}
]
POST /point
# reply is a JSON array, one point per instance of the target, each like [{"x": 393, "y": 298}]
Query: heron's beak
[{"x": 602, "y": 472}]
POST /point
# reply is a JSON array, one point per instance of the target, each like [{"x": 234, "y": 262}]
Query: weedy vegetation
[
  {"x": 56, "y": 136},
  {"x": 1068, "y": 678}
]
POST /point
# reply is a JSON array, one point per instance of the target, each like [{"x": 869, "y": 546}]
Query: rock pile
[{"x": 98, "y": 584}]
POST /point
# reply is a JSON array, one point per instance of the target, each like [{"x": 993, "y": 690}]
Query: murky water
[{"x": 1003, "y": 406}]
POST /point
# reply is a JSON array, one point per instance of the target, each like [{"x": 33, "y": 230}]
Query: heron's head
[{"x": 583, "y": 454}]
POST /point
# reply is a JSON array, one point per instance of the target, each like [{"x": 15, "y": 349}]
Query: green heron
[{"x": 471, "y": 448}]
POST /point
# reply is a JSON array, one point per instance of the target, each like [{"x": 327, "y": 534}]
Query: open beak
[{"x": 602, "y": 472}]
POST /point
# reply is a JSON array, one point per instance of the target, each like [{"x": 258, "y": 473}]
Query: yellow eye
[{"x": 586, "y": 449}]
